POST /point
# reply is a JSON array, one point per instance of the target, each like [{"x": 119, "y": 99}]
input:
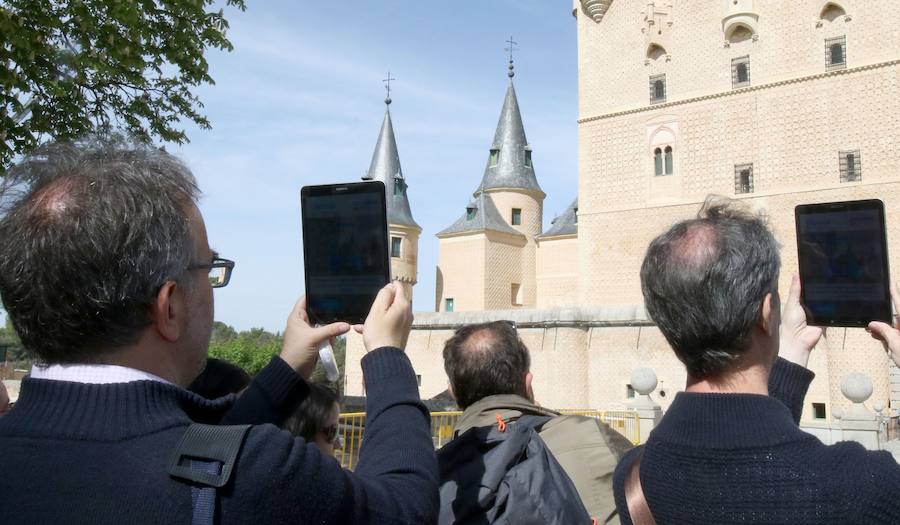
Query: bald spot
[
  {"x": 52, "y": 202},
  {"x": 481, "y": 341},
  {"x": 696, "y": 246}
]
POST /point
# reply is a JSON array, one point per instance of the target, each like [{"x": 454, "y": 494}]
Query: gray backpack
[{"x": 504, "y": 474}]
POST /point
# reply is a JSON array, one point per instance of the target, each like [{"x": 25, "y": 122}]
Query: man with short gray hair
[
  {"x": 728, "y": 449},
  {"x": 108, "y": 277}
]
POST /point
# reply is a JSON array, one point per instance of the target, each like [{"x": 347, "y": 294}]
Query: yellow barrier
[{"x": 351, "y": 427}]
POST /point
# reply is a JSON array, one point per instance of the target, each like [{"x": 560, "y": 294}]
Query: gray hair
[
  {"x": 704, "y": 281},
  {"x": 89, "y": 232}
]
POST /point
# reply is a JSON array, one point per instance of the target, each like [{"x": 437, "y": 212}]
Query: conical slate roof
[
  {"x": 565, "y": 224},
  {"x": 485, "y": 217},
  {"x": 385, "y": 167},
  {"x": 510, "y": 170}
]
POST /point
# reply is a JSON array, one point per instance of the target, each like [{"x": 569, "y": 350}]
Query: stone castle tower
[
  {"x": 487, "y": 258},
  {"x": 403, "y": 230}
]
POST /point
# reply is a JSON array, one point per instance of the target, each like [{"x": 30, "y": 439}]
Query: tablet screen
[
  {"x": 344, "y": 249},
  {"x": 843, "y": 263}
]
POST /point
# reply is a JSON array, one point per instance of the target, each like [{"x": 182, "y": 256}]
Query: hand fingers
[
  {"x": 384, "y": 299},
  {"x": 358, "y": 328},
  {"x": 400, "y": 299},
  {"x": 328, "y": 331},
  {"x": 794, "y": 293},
  {"x": 299, "y": 310}
]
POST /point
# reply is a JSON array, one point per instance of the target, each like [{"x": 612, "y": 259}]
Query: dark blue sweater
[
  {"x": 77, "y": 453},
  {"x": 740, "y": 458}
]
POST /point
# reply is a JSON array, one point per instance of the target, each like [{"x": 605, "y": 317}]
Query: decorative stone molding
[
  {"x": 733, "y": 92},
  {"x": 739, "y": 14},
  {"x": 595, "y": 8}
]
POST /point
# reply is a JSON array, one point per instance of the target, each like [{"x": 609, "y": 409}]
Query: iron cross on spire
[
  {"x": 511, "y": 47},
  {"x": 387, "y": 87}
]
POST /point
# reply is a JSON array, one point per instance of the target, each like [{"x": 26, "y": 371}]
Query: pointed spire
[
  {"x": 385, "y": 167},
  {"x": 509, "y": 163}
]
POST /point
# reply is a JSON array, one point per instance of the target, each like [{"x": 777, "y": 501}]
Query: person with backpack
[{"x": 512, "y": 461}]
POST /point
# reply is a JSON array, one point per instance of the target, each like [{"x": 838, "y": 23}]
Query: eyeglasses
[{"x": 219, "y": 271}]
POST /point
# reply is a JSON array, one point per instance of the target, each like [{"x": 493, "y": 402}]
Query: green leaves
[{"x": 69, "y": 68}]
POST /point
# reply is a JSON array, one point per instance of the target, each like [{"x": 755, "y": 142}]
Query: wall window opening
[
  {"x": 743, "y": 178},
  {"x": 740, "y": 72},
  {"x": 850, "y": 165},
  {"x": 836, "y": 53},
  {"x": 495, "y": 157},
  {"x": 516, "y": 216},
  {"x": 395, "y": 246},
  {"x": 668, "y": 160},
  {"x": 448, "y": 304},
  {"x": 657, "y": 162},
  {"x": 657, "y": 89},
  {"x": 527, "y": 158},
  {"x": 818, "y": 410}
]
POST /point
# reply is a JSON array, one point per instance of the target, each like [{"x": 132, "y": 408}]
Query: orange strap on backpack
[
  {"x": 634, "y": 494},
  {"x": 501, "y": 425}
]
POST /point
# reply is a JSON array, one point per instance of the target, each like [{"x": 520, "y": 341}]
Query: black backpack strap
[{"x": 205, "y": 456}]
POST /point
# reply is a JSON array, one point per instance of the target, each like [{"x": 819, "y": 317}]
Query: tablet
[
  {"x": 345, "y": 250},
  {"x": 843, "y": 256}
]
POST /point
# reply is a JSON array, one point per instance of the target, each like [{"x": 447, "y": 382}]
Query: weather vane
[
  {"x": 387, "y": 87},
  {"x": 510, "y": 49}
]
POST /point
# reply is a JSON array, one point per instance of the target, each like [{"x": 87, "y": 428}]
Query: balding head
[
  {"x": 704, "y": 283},
  {"x": 484, "y": 360}
]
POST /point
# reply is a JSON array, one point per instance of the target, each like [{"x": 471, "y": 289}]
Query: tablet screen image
[
  {"x": 344, "y": 249},
  {"x": 843, "y": 258}
]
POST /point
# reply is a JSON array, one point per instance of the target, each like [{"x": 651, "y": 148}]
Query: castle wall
[
  {"x": 462, "y": 266},
  {"x": 557, "y": 271},
  {"x": 582, "y": 358},
  {"x": 532, "y": 225}
]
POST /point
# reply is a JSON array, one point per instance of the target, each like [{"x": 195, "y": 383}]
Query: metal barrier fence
[{"x": 351, "y": 427}]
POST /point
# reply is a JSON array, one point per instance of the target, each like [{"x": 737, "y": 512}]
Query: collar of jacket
[{"x": 484, "y": 412}]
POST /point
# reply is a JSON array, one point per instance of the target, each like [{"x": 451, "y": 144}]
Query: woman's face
[{"x": 327, "y": 436}]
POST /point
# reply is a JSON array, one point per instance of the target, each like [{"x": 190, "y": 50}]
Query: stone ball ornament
[
  {"x": 856, "y": 387},
  {"x": 643, "y": 380}
]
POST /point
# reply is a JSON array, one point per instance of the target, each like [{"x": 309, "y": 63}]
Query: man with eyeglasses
[{"x": 108, "y": 277}]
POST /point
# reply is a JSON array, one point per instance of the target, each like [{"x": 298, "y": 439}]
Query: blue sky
[{"x": 300, "y": 101}]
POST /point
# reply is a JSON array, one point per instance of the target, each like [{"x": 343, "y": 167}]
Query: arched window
[
  {"x": 657, "y": 162},
  {"x": 668, "y": 160},
  {"x": 832, "y": 11}
]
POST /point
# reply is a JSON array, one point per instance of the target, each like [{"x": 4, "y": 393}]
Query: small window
[
  {"x": 657, "y": 89},
  {"x": 448, "y": 304},
  {"x": 851, "y": 166},
  {"x": 418, "y": 379},
  {"x": 516, "y": 216},
  {"x": 516, "y": 294},
  {"x": 495, "y": 157},
  {"x": 836, "y": 53},
  {"x": 470, "y": 214},
  {"x": 576, "y": 215},
  {"x": 629, "y": 392},
  {"x": 527, "y": 158},
  {"x": 740, "y": 72},
  {"x": 668, "y": 165},
  {"x": 398, "y": 186},
  {"x": 818, "y": 410},
  {"x": 657, "y": 162},
  {"x": 743, "y": 178},
  {"x": 395, "y": 246}
]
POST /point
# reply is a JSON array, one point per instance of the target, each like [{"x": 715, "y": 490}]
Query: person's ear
[
  {"x": 770, "y": 315},
  {"x": 167, "y": 310},
  {"x": 528, "y": 390}
]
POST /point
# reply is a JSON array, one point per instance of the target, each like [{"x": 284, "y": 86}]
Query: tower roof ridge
[
  {"x": 509, "y": 164},
  {"x": 385, "y": 167},
  {"x": 481, "y": 215}
]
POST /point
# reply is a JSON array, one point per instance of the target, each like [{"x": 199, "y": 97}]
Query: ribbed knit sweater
[
  {"x": 741, "y": 458},
  {"x": 81, "y": 453}
]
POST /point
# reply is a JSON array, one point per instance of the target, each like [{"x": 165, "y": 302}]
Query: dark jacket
[
  {"x": 78, "y": 453},
  {"x": 586, "y": 448},
  {"x": 740, "y": 458}
]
